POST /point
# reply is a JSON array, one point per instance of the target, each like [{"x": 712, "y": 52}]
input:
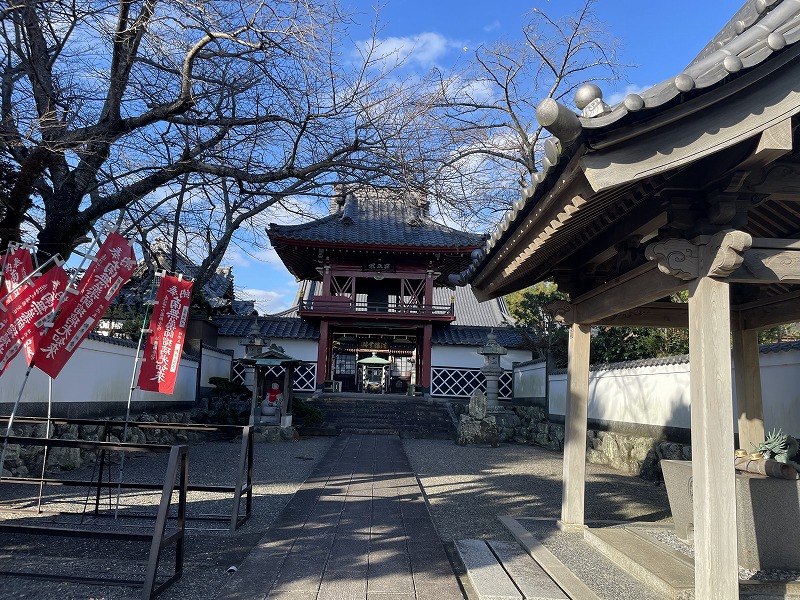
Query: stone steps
[
  {"x": 503, "y": 571},
  {"x": 404, "y": 416},
  {"x": 665, "y": 570}
]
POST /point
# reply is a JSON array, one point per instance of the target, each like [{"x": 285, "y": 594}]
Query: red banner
[
  {"x": 22, "y": 323},
  {"x": 111, "y": 268},
  {"x": 34, "y": 307},
  {"x": 162, "y": 352},
  {"x": 18, "y": 266}
]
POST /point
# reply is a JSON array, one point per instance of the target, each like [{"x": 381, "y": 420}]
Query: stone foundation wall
[{"x": 627, "y": 453}]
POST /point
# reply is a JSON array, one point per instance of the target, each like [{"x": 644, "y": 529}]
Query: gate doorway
[{"x": 397, "y": 353}]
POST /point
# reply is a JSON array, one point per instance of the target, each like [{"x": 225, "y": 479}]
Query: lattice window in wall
[
  {"x": 305, "y": 376},
  {"x": 402, "y": 366},
  {"x": 239, "y": 372},
  {"x": 344, "y": 364},
  {"x": 460, "y": 383},
  {"x": 506, "y": 386}
]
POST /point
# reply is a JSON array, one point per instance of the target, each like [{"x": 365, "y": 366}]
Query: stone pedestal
[{"x": 767, "y": 515}]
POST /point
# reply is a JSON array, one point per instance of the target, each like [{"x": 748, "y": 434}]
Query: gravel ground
[
  {"x": 279, "y": 469},
  {"x": 467, "y": 487}
]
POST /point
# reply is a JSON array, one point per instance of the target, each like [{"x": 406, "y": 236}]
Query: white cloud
[
  {"x": 269, "y": 301},
  {"x": 618, "y": 97},
  {"x": 423, "y": 49},
  {"x": 481, "y": 90},
  {"x": 235, "y": 257},
  {"x": 268, "y": 255}
]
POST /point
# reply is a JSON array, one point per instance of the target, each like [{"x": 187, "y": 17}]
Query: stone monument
[{"x": 491, "y": 369}]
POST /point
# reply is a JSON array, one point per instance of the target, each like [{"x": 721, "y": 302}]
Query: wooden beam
[
  {"x": 716, "y": 562},
  {"x": 657, "y": 314},
  {"x": 639, "y": 286},
  {"x": 765, "y": 265},
  {"x": 575, "y": 425},
  {"x": 768, "y": 313}
]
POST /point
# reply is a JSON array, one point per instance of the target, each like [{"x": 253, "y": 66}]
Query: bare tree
[
  {"x": 491, "y": 142},
  {"x": 114, "y": 108}
]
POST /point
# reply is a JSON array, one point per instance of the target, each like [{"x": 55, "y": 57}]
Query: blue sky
[{"x": 657, "y": 38}]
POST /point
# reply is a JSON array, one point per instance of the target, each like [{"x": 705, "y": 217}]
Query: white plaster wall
[
  {"x": 780, "y": 391},
  {"x": 660, "y": 395},
  {"x": 97, "y": 372},
  {"x": 214, "y": 364},
  {"x": 530, "y": 380},
  {"x": 467, "y": 357},
  {"x": 231, "y": 343},
  {"x": 305, "y": 350},
  {"x": 648, "y": 395}
]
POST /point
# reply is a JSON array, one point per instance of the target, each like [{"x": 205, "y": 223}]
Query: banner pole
[
  {"x": 47, "y": 437},
  {"x": 130, "y": 391},
  {"x": 11, "y": 420}
]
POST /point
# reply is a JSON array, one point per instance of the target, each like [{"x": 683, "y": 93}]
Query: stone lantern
[{"x": 491, "y": 369}]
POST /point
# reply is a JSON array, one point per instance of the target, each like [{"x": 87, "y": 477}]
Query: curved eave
[
  {"x": 373, "y": 247},
  {"x": 604, "y": 161}
]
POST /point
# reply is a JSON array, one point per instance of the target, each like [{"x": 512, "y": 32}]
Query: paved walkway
[{"x": 358, "y": 528}]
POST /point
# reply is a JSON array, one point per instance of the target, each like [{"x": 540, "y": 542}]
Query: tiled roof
[
  {"x": 460, "y": 335},
  {"x": 127, "y": 343},
  {"x": 372, "y": 219},
  {"x": 782, "y": 347},
  {"x": 469, "y": 311},
  {"x": 293, "y": 328},
  {"x": 268, "y": 327},
  {"x": 218, "y": 291},
  {"x": 760, "y": 30}
]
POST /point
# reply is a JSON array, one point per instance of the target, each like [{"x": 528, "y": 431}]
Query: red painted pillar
[
  {"x": 425, "y": 376},
  {"x": 322, "y": 354}
]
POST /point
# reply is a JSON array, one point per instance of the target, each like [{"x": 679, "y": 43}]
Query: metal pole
[
  {"x": 132, "y": 388},
  {"x": 46, "y": 437}
]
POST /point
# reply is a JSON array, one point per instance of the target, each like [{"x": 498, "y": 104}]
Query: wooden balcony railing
[{"x": 343, "y": 306}]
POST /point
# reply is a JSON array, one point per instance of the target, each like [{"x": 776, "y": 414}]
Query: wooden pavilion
[
  {"x": 380, "y": 259},
  {"x": 692, "y": 185}
]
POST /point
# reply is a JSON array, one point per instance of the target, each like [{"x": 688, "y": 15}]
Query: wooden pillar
[
  {"x": 748, "y": 388},
  {"x": 288, "y": 386},
  {"x": 575, "y": 424},
  {"x": 716, "y": 570},
  {"x": 322, "y": 354},
  {"x": 425, "y": 373},
  {"x": 254, "y": 398},
  {"x": 326, "y": 280},
  {"x": 428, "y": 289}
]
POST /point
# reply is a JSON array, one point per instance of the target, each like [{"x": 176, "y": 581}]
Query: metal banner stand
[{"x": 142, "y": 333}]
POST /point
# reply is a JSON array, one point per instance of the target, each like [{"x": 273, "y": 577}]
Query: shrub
[
  {"x": 225, "y": 387},
  {"x": 311, "y": 415}
]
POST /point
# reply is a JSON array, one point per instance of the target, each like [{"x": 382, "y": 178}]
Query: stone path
[{"x": 358, "y": 528}]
